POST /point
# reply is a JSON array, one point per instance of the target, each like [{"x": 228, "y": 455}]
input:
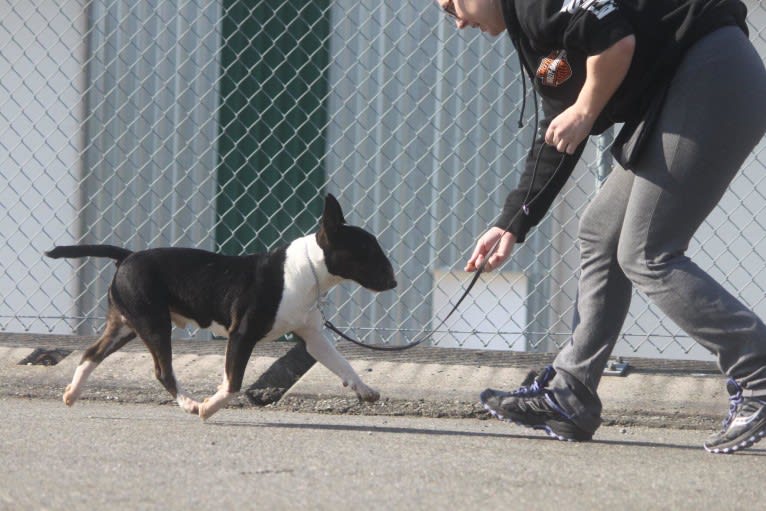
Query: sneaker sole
[
  {"x": 545, "y": 428},
  {"x": 739, "y": 445}
]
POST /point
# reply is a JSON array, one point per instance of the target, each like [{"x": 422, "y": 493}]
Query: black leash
[
  {"x": 524, "y": 209},
  {"x": 378, "y": 347}
]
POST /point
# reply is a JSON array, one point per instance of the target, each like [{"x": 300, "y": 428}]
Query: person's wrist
[{"x": 505, "y": 233}]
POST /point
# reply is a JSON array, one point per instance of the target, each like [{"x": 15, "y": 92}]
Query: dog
[{"x": 246, "y": 299}]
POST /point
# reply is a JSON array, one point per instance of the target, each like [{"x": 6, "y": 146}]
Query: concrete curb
[
  {"x": 692, "y": 400},
  {"x": 434, "y": 382}
]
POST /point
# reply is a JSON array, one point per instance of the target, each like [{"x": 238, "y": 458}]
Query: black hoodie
[{"x": 555, "y": 37}]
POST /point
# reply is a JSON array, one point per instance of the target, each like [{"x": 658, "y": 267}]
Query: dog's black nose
[{"x": 382, "y": 284}]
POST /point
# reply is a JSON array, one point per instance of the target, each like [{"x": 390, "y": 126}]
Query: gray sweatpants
[{"x": 636, "y": 230}]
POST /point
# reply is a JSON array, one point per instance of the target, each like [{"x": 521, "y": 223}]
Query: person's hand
[
  {"x": 485, "y": 244},
  {"x": 569, "y": 129},
  {"x": 604, "y": 73}
]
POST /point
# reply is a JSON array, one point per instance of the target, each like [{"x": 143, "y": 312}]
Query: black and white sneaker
[
  {"x": 533, "y": 406},
  {"x": 744, "y": 426}
]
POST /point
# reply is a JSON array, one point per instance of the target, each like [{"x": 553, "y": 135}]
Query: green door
[{"x": 272, "y": 122}]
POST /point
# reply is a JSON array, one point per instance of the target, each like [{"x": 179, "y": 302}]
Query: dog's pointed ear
[{"x": 332, "y": 218}]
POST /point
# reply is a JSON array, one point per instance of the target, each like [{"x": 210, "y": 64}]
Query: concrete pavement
[{"x": 424, "y": 381}]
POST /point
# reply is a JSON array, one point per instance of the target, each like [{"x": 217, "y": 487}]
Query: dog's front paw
[
  {"x": 366, "y": 394},
  {"x": 69, "y": 395}
]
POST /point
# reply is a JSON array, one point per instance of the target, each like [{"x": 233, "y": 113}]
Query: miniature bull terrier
[{"x": 246, "y": 299}]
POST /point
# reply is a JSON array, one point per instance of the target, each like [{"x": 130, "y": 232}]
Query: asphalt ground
[
  {"x": 109, "y": 455},
  {"x": 424, "y": 381}
]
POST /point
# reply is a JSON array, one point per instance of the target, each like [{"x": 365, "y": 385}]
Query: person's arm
[
  {"x": 604, "y": 75},
  {"x": 542, "y": 181},
  {"x": 564, "y": 134}
]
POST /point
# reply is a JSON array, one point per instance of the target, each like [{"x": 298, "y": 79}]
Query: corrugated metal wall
[{"x": 151, "y": 107}]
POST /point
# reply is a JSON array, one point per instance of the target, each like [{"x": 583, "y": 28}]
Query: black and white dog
[{"x": 244, "y": 298}]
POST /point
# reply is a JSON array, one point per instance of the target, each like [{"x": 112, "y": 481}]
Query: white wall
[
  {"x": 492, "y": 316},
  {"x": 41, "y": 111}
]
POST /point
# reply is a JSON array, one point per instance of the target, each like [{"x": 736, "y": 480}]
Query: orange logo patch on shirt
[{"x": 554, "y": 69}]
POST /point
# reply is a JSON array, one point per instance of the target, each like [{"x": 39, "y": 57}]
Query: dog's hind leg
[
  {"x": 116, "y": 334},
  {"x": 154, "y": 330},
  {"x": 238, "y": 352}
]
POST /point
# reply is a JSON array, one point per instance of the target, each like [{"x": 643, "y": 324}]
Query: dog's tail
[{"x": 70, "y": 251}]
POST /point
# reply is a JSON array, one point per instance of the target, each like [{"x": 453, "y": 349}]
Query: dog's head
[{"x": 351, "y": 252}]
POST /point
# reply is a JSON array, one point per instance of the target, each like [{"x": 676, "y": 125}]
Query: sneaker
[
  {"x": 744, "y": 426},
  {"x": 533, "y": 406}
]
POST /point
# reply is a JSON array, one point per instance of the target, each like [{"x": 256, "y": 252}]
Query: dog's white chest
[
  {"x": 299, "y": 305},
  {"x": 296, "y": 310}
]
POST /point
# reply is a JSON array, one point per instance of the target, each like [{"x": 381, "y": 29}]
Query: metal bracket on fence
[{"x": 616, "y": 367}]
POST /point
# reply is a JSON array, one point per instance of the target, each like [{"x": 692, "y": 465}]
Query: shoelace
[
  {"x": 538, "y": 385},
  {"x": 735, "y": 399}
]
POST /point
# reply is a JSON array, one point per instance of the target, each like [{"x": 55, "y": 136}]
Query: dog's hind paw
[
  {"x": 206, "y": 409},
  {"x": 214, "y": 403},
  {"x": 188, "y": 404},
  {"x": 204, "y": 412}
]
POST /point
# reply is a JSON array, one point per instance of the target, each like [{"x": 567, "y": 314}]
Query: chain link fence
[{"x": 222, "y": 124}]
